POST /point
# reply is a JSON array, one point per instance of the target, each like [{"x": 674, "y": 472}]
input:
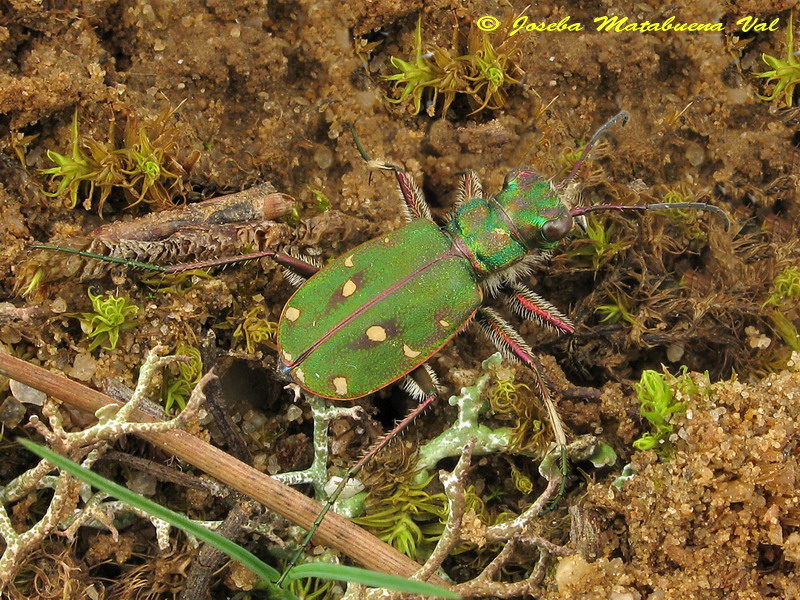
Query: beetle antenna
[
  {"x": 374, "y": 164},
  {"x": 114, "y": 259},
  {"x": 623, "y": 116},
  {"x": 582, "y": 210},
  {"x": 357, "y": 141}
]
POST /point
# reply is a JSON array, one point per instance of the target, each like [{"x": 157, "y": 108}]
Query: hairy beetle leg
[
  {"x": 511, "y": 345},
  {"x": 470, "y": 187},
  {"x": 532, "y": 307},
  {"x": 421, "y": 383},
  {"x": 300, "y": 269}
]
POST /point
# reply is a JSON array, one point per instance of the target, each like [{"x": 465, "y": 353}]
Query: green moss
[
  {"x": 785, "y": 287},
  {"x": 784, "y": 297},
  {"x": 482, "y": 73},
  {"x": 33, "y": 282},
  {"x": 597, "y": 247},
  {"x": 512, "y": 401},
  {"x": 152, "y": 174},
  {"x": 489, "y": 69},
  {"x": 656, "y": 392},
  {"x": 617, "y": 309},
  {"x": 179, "y": 385},
  {"x": 407, "y": 517},
  {"x": 415, "y": 76},
  {"x": 313, "y": 588},
  {"x": 75, "y": 170},
  {"x": 785, "y": 74},
  {"x": 522, "y": 482},
  {"x": 321, "y": 201},
  {"x": 255, "y": 328},
  {"x": 111, "y": 315},
  {"x": 786, "y": 329},
  {"x": 139, "y": 161}
]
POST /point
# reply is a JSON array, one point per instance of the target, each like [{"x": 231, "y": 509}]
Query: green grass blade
[
  {"x": 371, "y": 578},
  {"x": 222, "y": 544},
  {"x": 260, "y": 568}
]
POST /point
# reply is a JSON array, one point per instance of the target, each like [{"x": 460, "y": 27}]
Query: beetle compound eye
[{"x": 557, "y": 228}]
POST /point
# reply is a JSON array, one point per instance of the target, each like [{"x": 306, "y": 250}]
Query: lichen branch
[{"x": 65, "y": 511}]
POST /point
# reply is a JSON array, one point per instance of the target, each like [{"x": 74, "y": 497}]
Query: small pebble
[
  {"x": 142, "y": 483},
  {"x": 26, "y": 394},
  {"x": 12, "y": 411},
  {"x": 84, "y": 367}
]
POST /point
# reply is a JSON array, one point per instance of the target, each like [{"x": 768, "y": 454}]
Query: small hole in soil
[
  {"x": 393, "y": 406},
  {"x": 245, "y": 385},
  {"x": 769, "y": 557}
]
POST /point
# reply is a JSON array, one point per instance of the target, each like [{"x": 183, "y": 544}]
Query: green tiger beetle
[{"x": 377, "y": 313}]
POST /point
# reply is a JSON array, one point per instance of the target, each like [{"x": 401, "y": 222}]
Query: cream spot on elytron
[
  {"x": 292, "y": 313},
  {"x": 376, "y": 333},
  {"x": 444, "y": 323},
  {"x": 299, "y": 375},
  {"x": 340, "y": 383},
  {"x": 348, "y": 288},
  {"x": 348, "y": 262},
  {"x": 410, "y": 353},
  {"x": 286, "y": 356}
]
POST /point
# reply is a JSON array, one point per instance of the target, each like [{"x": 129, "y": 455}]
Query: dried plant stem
[
  {"x": 335, "y": 531},
  {"x": 87, "y": 446}
]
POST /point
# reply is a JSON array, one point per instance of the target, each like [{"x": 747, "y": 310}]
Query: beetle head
[{"x": 540, "y": 217}]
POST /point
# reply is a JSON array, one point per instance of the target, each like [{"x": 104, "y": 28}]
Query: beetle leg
[
  {"x": 512, "y": 346},
  {"x": 414, "y": 202},
  {"x": 531, "y": 306},
  {"x": 351, "y": 473},
  {"x": 413, "y": 198},
  {"x": 421, "y": 383},
  {"x": 300, "y": 269},
  {"x": 470, "y": 187}
]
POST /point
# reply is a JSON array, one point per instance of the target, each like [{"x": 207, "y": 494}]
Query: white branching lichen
[{"x": 72, "y": 504}]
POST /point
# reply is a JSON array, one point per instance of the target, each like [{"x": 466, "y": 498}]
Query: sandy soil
[{"x": 262, "y": 92}]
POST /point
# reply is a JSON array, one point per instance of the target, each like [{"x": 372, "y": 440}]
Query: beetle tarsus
[{"x": 414, "y": 200}]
